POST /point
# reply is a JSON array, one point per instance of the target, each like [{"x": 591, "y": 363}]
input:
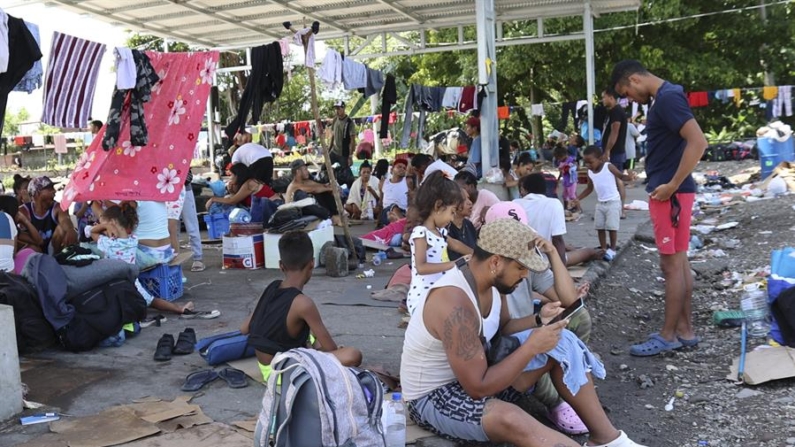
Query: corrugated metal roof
[{"x": 225, "y": 23}]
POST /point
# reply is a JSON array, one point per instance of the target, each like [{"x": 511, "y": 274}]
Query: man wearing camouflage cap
[{"x": 55, "y": 227}]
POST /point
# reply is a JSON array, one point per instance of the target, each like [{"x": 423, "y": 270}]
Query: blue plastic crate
[
  {"x": 217, "y": 225},
  {"x": 163, "y": 281}
]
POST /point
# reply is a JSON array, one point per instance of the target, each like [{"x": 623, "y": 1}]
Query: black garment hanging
[
  {"x": 568, "y": 108},
  {"x": 134, "y": 98},
  {"x": 23, "y": 51},
  {"x": 388, "y": 99},
  {"x": 264, "y": 85}
]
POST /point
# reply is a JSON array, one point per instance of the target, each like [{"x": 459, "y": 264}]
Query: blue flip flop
[
  {"x": 653, "y": 346},
  {"x": 235, "y": 378}
]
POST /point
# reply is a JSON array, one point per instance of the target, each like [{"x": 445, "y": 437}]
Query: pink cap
[{"x": 506, "y": 210}]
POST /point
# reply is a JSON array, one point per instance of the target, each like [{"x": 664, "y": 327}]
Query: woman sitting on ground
[{"x": 251, "y": 192}]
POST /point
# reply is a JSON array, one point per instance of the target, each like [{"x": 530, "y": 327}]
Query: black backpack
[
  {"x": 100, "y": 313},
  {"x": 784, "y": 311},
  {"x": 34, "y": 332}
]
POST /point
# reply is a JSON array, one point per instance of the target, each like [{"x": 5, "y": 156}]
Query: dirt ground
[{"x": 628, "y": 305}]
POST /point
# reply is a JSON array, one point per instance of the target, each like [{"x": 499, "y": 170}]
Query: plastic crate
[
  {"x": 163, "y": 281},
  {"x": 217, "y": 225}
]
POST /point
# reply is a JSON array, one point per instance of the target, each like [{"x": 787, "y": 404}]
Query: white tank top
[
  {"x": 152, "y": 220},
  {"x": 424, "y": 365},
  {"x": 604, "y": 182},
  {"x": 396, "y": 193}
]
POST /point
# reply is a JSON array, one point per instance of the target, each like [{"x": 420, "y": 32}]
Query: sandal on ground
[
  {"x": 189, "y": 314},
  {"x": 157, "y": 320},
  {"x": 235, "y": 378},
  {"x": 195, "y": 381},
  {"x": 164, "y": 348},
  {"x": 622, "y": 441},
  {"x": 566, "y": 419},
  {"x": 185, "y": 342},
  {"x": 197, "y": 266},
  {"x": 653, "y": 346},
  {"x": 689, "y": 343}
]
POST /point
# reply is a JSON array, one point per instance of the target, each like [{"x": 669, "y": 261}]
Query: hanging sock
[
  {"x": 71, "y": 80},
  {"x": 537, "y": 109},
  {"x": 769, "y": 92}
]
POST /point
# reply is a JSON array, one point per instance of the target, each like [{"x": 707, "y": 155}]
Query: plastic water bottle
[
  {"x": 393, "y": 419},
  {"x": 757, "y": 313}
]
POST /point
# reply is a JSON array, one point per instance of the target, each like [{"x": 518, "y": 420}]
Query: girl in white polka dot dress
[{"x": 436, "y": 201}]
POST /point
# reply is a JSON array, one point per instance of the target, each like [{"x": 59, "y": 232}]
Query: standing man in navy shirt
[{"x": 675, "y": 144}]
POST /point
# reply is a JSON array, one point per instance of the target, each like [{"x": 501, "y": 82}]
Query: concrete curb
[{"x": 599, "y": 269}]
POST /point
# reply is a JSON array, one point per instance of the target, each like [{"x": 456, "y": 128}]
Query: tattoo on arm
[{"x": 461, "y": 330}]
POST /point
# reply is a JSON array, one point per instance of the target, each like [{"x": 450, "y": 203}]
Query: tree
[{"x": 11, "y": 121}]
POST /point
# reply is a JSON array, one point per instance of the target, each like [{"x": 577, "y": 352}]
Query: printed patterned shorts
[
  {"x": 449, "y": 412},
  {"x": 174, "y": 209}
]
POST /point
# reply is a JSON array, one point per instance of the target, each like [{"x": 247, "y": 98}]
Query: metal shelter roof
[{"x": 240, "y": 23}]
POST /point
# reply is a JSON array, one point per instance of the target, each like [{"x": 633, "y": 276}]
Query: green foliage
[{"x": 11, "y": 121}]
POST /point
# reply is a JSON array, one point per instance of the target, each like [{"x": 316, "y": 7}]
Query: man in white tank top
[
  {"x": 395, "y": 192},
  {"x": 448, "y": 384}
]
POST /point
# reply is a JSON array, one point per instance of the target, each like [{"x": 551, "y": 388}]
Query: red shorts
[{"x": 670, "y": 239}]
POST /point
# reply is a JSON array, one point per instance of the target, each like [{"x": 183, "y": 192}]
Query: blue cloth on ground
[{"x": 573, "y": 356}]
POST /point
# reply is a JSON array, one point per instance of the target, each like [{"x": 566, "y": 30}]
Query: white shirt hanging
[{"x": 125, "y": 68}]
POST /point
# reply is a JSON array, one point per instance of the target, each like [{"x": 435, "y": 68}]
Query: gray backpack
[{"x": 319, "y": 402}]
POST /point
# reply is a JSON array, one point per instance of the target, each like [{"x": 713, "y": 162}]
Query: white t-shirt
[
  {"x": 7, "y": 250},
  {"x": 396, "y": 193},
  {"x": 436, "y": 253},
  {"x": 544, "y": 214},
  {"x": 152, "y": 220},
  {"x": 249, "y": 153}
]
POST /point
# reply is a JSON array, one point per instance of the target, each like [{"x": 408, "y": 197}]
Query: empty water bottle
[
  {"x": 757, "y": 313},
  {"x": 239, "y": 215},
  {"x": 393, "y": 419}
]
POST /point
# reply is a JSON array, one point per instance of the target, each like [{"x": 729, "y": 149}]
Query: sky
[{"x": 51, "y": 19}]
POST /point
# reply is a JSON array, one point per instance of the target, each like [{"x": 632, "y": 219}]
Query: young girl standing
[
  {"x": 436, "y": 202},
  {"x": 114, "y": 238}
]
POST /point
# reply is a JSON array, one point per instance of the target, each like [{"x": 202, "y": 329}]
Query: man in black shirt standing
[{"x": 614, "y": 138}]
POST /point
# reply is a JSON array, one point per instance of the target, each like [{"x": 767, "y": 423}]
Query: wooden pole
[{"x": 326, "y": 156}]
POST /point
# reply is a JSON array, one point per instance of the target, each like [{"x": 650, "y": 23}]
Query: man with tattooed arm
[{"x": 451, "y": 389}]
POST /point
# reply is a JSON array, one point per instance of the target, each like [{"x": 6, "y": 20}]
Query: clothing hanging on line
[
  {"x": 264, "y": 85},
  {"x": 354, "y": 74},
  {"x": 330, "y": 72},
  {"x": 125, "y": 68},
  {"x": 427, "y": 99},
  {"x": 145, "y": 81},
  {"x": 537, "y": 109},
  {"x": 375, "y": 82},
  {"x": 452, "y": 97},
  {"x": 32, "y": 79},
  {"x": 388, "y": 99},
  {"x": 769, "y": 92},
  {"x": 467, "y": 101},
  {"x": 783, "y": 102},
  {"x": 23, "y": 51},
  {"x": 71, "y": 80},
  {"x": 309, "y": 60},
  {"x": 3, "y": 41}
]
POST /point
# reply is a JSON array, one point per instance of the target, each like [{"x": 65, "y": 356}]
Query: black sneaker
[
  {"x": 185, "y": 342},
  {"x": 315, "y": 27},
  {"x": 287, "y": 25},
  {"x": 164, "y": 348}
]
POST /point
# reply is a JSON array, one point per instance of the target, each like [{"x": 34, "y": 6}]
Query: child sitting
[
  {"x": 604, "y": 177},
  {"x": 567, "y": 165},
  {"x": 436, "y": 203},
  {"x": 115, "y": 240},
  {"x": 284, "y": 317}
]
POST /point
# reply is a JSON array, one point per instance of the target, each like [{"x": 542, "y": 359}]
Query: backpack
[
  {"x": 101, "y": 312},
  {"x": 319, "y": 402},
  {"x": 783, "y": 309},
  {"x": 34, "y": 332}
]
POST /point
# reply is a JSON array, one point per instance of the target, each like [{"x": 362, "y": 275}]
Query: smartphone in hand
[{"x": 569, "y": 311}]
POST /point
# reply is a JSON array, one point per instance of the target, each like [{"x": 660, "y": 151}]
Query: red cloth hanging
[
  {"x": 503, "y": 113},
  {"x": 698, "y": 99}
]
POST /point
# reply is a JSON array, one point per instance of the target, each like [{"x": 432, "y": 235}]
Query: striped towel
[{"x": 71, "y": 80}]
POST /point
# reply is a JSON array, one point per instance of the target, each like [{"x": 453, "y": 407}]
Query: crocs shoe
[
  {"x": 566, "y": 419},
  {"x": 621, "y": 441},
  {"x": 610, "y": 254},
  {"x": 653, "y": 346}
]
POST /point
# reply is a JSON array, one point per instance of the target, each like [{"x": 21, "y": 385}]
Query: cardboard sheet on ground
[
  {"x": 113, "y": 426},
  {"x": 765, "y": 365},
  {"x": 375, "y": 245},
  {"x": 210, "y": 435},
  {"x": 173, "y": 119},
  {"x": 248, "y": 366}
]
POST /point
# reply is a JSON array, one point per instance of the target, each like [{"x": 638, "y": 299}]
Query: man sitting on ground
[
  {"x": 285, "y": 318},
  {"x": 546, "y": 216},
  {"x": 364, "y": 195},
  {"x": 55, "y": 229},
  {"x": 448, "y": 384},
  {"x": 395, "y": 193},
  {"x": 303, "y": 184},
  {"x": 553, "y": 285}
]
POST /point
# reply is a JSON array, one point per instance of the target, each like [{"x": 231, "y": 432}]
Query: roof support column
[
  {"x": 487, "y": 78},
  {"x": 590, "y": 74}
]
